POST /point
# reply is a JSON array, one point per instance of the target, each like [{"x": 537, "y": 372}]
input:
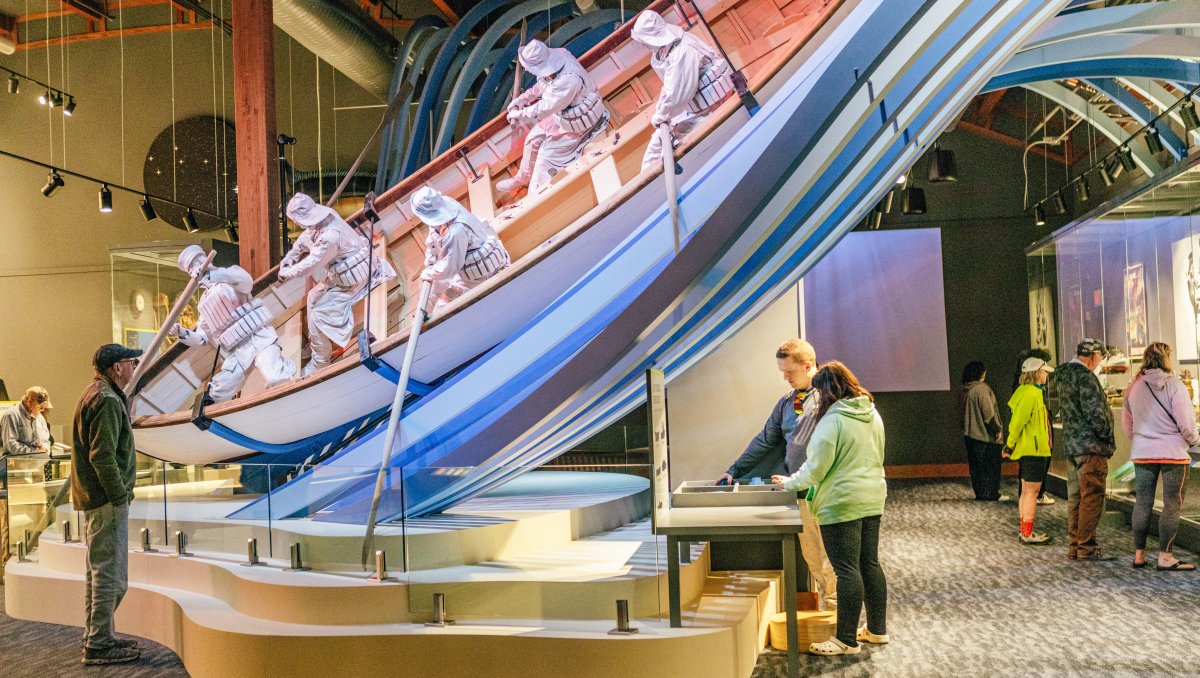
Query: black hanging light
[
  {"x": 1125, "y": 155},
  {"x": 53, "y": 182},
  {"x": 912, "y": 201},
  {"x": 105, "y": 198},
  {"x": 1154, "y": 142},
  {"x": 1060, "y": 207},
  {"x": 1115, "y": 167},
  {"x": 69, "y": 109},
  {"x": 1188, "y": 113},
  {"x": 14, "y": 84},
  {"x": 874, "y": 219},
  {"x": 189, "y": 220},
  {"x": 56, "y": 100},
  {"x": 1039, "y": 215},
  {"x": 231, "y": 232},
  {"x": 942, "y": 165},
  {"x": 45, "y": 97},
  {"x": 148, "y": 212},
  {"x": 1082, "y": 191},
  {"x": 885, "y": 205},
  {"x": 1106, "y": 177}
]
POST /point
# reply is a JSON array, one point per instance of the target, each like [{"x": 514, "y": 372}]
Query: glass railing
[{"x": 515, "y": 551}]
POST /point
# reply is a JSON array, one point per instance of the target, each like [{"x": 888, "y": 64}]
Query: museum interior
[{"x": 422, "y": 357}]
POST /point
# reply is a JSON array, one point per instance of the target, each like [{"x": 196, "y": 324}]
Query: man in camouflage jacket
[{"x": 1087, "y": 438}]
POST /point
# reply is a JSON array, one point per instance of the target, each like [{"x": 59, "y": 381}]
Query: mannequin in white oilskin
[
  {"x": 237, "y": 323},
  {"x": 564, "y": 108},
  {"x": 461, "y": 250},
  {"x": 695, "y": 79},
  {"x": 337, "y": 259}
]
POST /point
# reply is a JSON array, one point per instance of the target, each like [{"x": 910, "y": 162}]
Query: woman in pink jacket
[{"x": 1160, "y": 422}]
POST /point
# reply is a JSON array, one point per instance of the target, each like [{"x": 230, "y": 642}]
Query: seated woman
[
  {"x": 846, "y": 488},
  {"x": 1160, "y": 423}
]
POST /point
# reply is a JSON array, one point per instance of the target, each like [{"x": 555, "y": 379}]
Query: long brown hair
[
  {"x": 1156, "y": 356},
  {"x": 834, "y": 381}
]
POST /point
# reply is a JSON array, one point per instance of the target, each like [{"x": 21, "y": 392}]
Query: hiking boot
[
  {"x": 865, "y": 636},
  {"x": 1035, "y": 539},
  {"x": 110, "y": 655}
]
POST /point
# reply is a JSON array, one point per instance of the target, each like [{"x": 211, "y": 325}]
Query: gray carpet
[{"x": 966, "y": 599}]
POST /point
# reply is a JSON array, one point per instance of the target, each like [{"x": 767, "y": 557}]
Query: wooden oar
[
  {"x": 172, "y": 317},
  {"x": 518, "y": 136},
  {"x": 394, "y": 420},
  {"x": 668, "y": 159}
]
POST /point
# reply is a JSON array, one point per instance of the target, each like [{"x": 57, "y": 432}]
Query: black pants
[
  {"x": 983, "y": 459},
  {"x": 853, "y": 548}
]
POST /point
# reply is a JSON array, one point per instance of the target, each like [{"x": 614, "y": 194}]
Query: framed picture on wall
[
  {"x": 1137, "y": 328},
  {"x": 1041, "y": 320}
]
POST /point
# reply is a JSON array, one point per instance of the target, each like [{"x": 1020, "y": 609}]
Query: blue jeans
[{"x": 106, "y": 532}]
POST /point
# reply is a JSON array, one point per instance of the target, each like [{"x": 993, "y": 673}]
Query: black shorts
[{"x": 1034, "y": 469}]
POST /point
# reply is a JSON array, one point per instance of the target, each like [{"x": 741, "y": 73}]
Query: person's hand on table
[
  {"x": 779, "y": 480},
  {"x": 725, "y": 479}
]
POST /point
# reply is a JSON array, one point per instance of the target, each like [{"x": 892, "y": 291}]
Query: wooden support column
[{"x": 254, "y": 117}]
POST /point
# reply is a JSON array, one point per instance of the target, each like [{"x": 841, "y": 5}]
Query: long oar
[
  {"x": 394, "y": 420},
  {"x": 668, "y": 159},
  {"x": 180, "y": 304},
  {"x": 519, "y": 131}
]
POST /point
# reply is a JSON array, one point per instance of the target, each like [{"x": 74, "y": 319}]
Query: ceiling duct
[{"x": 344, "y": 36}]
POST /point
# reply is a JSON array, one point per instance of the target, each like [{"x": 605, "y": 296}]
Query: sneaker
[
  {"x": 109, "y": 655},
  {"x": 833, "y": 646},
  {"x": 508, "y": 185},
  {"x": 865, "y": 636},
  {"x": 1035, "y": 539},
  {"x": 123, "y": 643},
  {"x": 1004, "y": 497},
  {"x": 1096, "y": 557},
  {"x": 1046, "y": 500}
]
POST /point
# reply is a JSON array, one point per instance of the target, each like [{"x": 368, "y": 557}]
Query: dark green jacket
[
  {"x": 1087, "y": 419},
  {"x": 103, "y": 462}
]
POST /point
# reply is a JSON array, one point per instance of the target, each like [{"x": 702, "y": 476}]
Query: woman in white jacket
[{"x": 1160, "y": 422}]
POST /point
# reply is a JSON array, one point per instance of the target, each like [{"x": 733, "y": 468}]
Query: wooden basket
[{"x": 812, "y": 627}]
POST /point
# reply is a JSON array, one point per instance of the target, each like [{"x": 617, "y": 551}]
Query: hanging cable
[
  {"x": 121, "y": 43},
  {"x": 174, "y": 145}
]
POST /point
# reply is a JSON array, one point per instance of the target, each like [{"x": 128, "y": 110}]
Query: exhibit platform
[{"x": 531, "y": 575}]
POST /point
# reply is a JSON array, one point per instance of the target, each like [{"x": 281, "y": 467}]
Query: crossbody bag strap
[{"x": 1164, "y": 408}]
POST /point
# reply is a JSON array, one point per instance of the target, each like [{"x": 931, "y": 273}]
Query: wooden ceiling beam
[{"x": 992, "y": 134}]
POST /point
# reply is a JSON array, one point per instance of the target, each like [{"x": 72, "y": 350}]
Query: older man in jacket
[{"x": 1088, "y": 440}]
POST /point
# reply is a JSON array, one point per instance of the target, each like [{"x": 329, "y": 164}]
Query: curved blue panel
[
  {"x": 416, "y": 154},
  {"x": 403, "y": 137},
  {"x": 393, "y": 130},
  {"x": 1140, "y": 112},
  {"x": 1123, "y": 67},
  {"x": 473, "y": 66}
]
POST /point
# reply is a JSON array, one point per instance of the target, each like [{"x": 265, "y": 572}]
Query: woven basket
[{"x": 812, "y": 627}]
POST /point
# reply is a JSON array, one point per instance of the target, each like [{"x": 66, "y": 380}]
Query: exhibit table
[{"x": 737, "y": 523}]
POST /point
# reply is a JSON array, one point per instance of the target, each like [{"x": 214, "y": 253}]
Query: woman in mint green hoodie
[{"x": 846, "y": 490}]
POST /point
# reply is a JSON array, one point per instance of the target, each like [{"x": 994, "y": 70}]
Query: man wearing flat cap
[
  {"x": 695, "y": 79},
  {"x": 103, "y": 470},
  {"x": 338, "y": 260},
  {"x": 461, "y": 250},
  {"x": 23, "y": 431},
  {"x": 1088, "y": 440},
  {"x": 563, "y": 106}
]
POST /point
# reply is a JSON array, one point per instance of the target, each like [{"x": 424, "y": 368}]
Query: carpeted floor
[{"x": 966, "y": 599}]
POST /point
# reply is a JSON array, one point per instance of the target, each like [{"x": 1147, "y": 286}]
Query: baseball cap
[
  {"x": 1035, "y": 364},
  {"x": 1090, "y": 346},
  {"x": 111, "y": 354}
]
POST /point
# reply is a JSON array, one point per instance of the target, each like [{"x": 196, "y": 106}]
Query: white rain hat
[
  {"x": 432, "y": 207},
  {"x": 190, "y": 256},
  {"x": 1035, "y": 364},
  {"x": 302, "y": 210},
  {"x": 540, "y": 60},
  {"x": 651, "y": 30}
]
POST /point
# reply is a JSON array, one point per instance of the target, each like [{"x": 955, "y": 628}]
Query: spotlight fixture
[
  {"x": 1060, "y": 207},
  {"x": 1115, "y": 167},
  {"x": 913, "y": 201},
  {"x": 14, "y": 84},
  {"x": 1105, "y": 176},
  {"x": 1154, "y": 143},
  {"x": 874, "y": 219},
  {"x": 105, "y": 198},
  {"x": 148, "y": 212},
  {"x": 53, "y": 182},
  {"x": 189, "y": 220},
  {"x": 1083, "y": 192},
  {"x": 56, "y": 100},
  {"x": 902, "y": 179},
  {"x": 1188, "y": 113},
  {"x": 1126, "y": 157},
  {"x": 44, "y": 98},
  {"x": 1039, "y": 215},
  {"x": 69, "y": 109},
  {"x": 942, "y": 165}
]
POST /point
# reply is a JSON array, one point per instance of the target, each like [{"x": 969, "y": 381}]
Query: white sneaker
[
  {"x": 1046, "y": 500},
  {"x": 865, "y": 636},
  {"x": 1004, "y": 497},
  {"x": 833, "y": 646},
  {"x": 508, "y": 185}
]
